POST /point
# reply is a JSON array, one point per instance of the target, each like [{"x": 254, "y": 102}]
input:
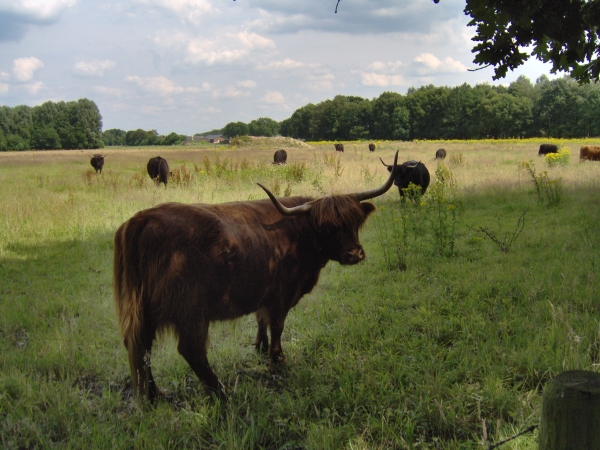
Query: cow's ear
[{"x": 367, "y": 208}]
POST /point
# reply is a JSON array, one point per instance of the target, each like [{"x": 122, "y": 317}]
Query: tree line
[
  {"x": 60, "y": 125},
  {"x": 559, "y": 108},
  {"x": 68, "y": 125},
  {"x": 115, "y": 136}
]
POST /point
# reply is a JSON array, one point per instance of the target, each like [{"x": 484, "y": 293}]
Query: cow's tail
[
  {"x": 127, "y": 285},
  {"x": 128, "y": 294}
]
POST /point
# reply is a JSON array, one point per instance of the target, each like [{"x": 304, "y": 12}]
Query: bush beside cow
[
  {"x": 97, "y": 162},
  {"x": 410, "y": 172},
  {"x": 339, "y": 147},
  {"x": 547, "y": 148},
  {"x": 158, "y": 170},
  {"x": 280, "y": 157},
  {"x": 589, "y": 153},
  {"x": 179, "y": 267},
  {"x": 371, "y": 147}
]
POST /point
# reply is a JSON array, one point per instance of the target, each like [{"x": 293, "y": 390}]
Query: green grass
[{"x": 452, "y": 352}]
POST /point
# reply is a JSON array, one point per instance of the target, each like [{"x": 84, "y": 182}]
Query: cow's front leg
[{"x": 262, "y": 340}]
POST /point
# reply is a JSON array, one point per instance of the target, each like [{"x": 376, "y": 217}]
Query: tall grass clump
[
  {"x": 549, "y": 191},
  {"x": 419, "y": 221},
  {"x": 442, "y": 205}
]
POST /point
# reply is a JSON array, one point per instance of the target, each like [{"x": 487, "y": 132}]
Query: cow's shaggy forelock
[{"x": 337, "y": 211}]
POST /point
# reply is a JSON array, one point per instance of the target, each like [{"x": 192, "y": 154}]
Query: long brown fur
[
  {"x": 178, "y": 267},
  {"x": 589, "y": 152}
]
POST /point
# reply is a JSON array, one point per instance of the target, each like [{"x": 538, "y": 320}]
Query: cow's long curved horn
[
  {"x": 382, "y": 189},
  {"x": 284, "y": 210},
  {"x": 412, "y": 166}
]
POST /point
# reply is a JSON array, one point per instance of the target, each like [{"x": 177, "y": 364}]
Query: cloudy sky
[{"x": 193, "y": 65}]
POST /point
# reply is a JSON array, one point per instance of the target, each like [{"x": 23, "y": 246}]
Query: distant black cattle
[
  {"x": 440, "y": 154},
  {"x": 410, "y": 172},
  {"x": 97, "y": 162},
  {"x": 339, "y": 147},
  {"x": 547, "y": 148},
  {"x": 158, "y": 169},
  {"x": 280, "y": 157},
  {"x": 371, "y": 147}
]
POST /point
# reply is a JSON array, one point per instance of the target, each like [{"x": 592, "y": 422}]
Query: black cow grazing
[
  {"x": 158, "y": 169},
  {"x": 97, "y": 162},
  {"x": 547, "y": 148},
  {"x": 440, "y": 154},
  {"x": 179, "y": 267},
  {"x": 371, "y": 147},
  {"x": 280, "y": 157},
  {"x": 339, "y": 147},
  {"x": 410, "y": 172}
]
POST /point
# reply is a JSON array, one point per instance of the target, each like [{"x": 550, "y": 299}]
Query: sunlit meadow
[{"x": 471, "y": 298}]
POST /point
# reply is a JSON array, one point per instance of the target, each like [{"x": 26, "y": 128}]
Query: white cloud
[
  {"x": 433, "y": 64},
  {"x": 36, "y": 9},
  {"x": 160, "y": 85},
  {"x": 229, "y": 92},
  {"x": 226, "y": 48},
  {"x": 248, "y": 84},
  {"x": 187, "y": 10},
  {"x": 253, "y": 40},
  {"x": 287, "y": 63},
  {"x": 4, "y": 76},
  {"x": 3, "y": 88},
  {"x": 200, "y": 50},
  {"x": 382, "y": 80},
  {"x": 33, "y": 88},
  {"x": 379, "y": 66},
  {"x": 24, "y": 68},
  {"x": 273, "y": 97},
  {"x": 94, "y": 67},
  {"x": 320, "y": 82},
  {"x": 111, "y": 92}
]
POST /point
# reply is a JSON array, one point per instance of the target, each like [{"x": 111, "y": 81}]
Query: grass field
[{"x": 471, "y": 298}]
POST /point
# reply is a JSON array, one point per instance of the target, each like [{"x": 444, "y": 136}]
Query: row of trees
[
  {"x": 549, "y": 108},
  {"x": 66, "y": 125},
  {"x": 263, "y": 126},
  {"x": 114, "y": 136}
]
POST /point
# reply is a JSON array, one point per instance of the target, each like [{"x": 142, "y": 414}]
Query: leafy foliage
[
  {"x": 263, "y": 126},
  {"x": 564, "y": 33},
  {"x": 67, "y": 125},
  {"x": 548, "y": 108},
  {"x": 235, "y": 129},
  {"x": 140, "y": 137}
]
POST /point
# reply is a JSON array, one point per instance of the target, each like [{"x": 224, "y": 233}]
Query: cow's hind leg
[
  {"x": 262, "y": 339},
  {"x": 139, "y": 363},
  {"x": 276, "y": 323},
  {"x": 192, "y": 346}
]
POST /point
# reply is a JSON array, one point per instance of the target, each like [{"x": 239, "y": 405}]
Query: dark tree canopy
[
  {"x": 563, "y": 32},
  {"x": 559, "y": 108},
  {"x": 235, "y": 129}
]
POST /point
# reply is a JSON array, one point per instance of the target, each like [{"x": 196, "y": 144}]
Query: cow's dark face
[
  {"x": 340, "y": 242},
  {"x": 402, "y": 175}
]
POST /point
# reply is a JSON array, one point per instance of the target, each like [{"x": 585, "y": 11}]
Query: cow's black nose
[{"x": 353, "y": 256}]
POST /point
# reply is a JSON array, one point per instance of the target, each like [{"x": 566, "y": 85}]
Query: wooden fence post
[{"x": 570, "y": 417}]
